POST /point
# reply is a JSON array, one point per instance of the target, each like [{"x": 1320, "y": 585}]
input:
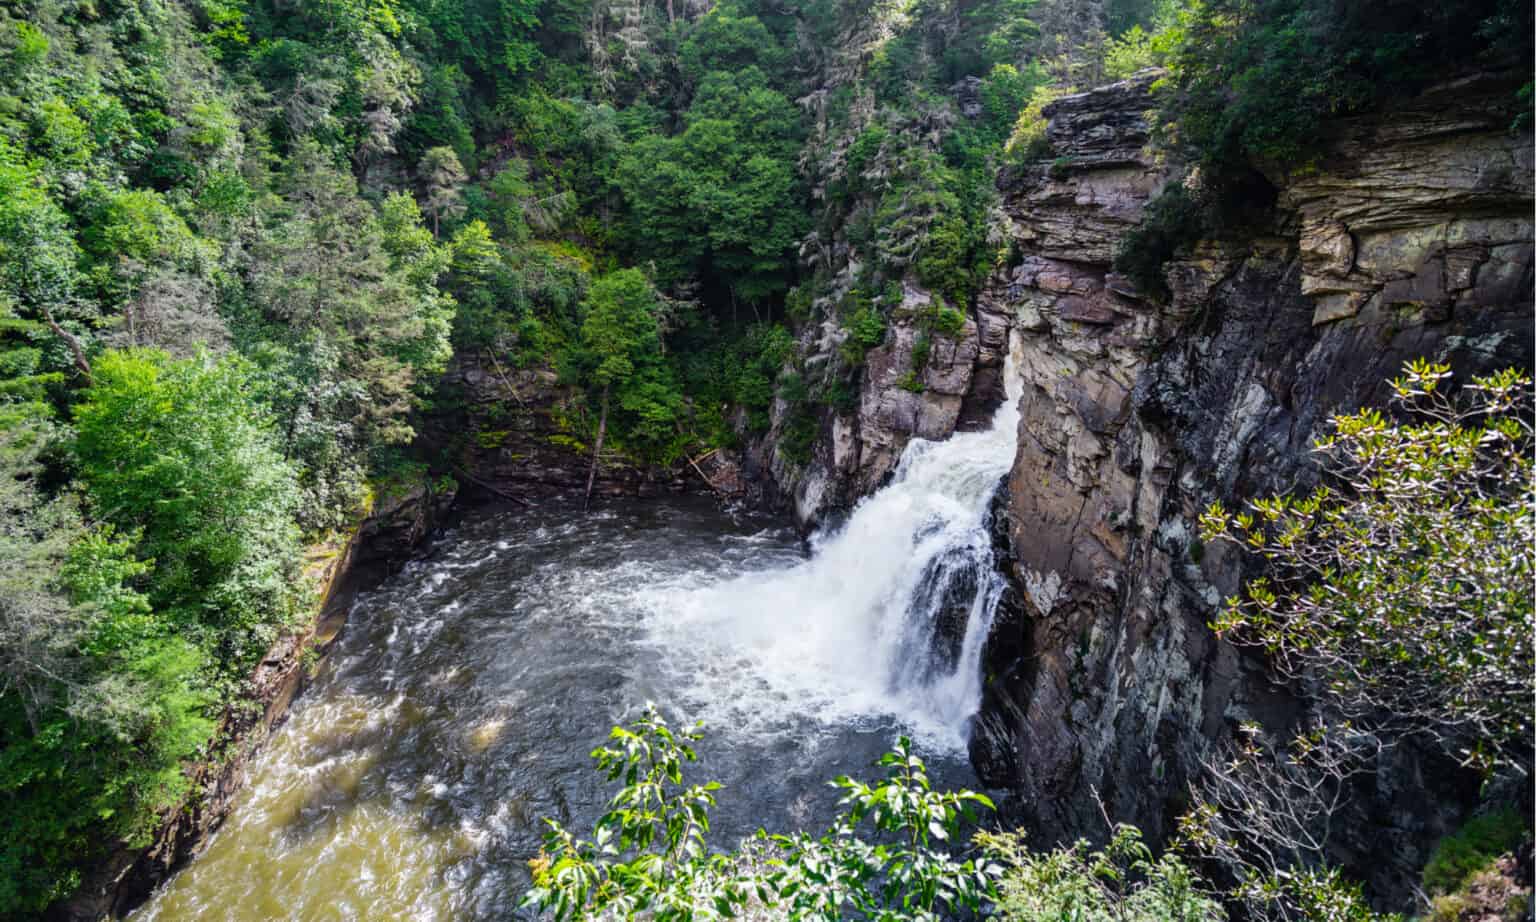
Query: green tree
[
  {"x": 648, "y": 854},
  {"x": 442, "y": 181},
  {"x": 99, "y": 697},
  {"x": 721, "y": 197},
  {"x": 1399, "y": 591},
  {"x": 38, "y": 258},
  {"x": 181, "y": 453},
  {"x": 351, "y": 321},
  {"x": 620, "y": 337}
]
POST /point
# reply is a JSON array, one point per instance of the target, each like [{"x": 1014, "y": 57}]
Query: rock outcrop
[
  {"x": 956, "y": 388},
  {"x": 514, "y": 433},
  {"x": 1413, "y": 237}
]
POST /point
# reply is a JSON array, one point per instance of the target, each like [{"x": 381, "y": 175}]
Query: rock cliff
[
  {"x": 957, "y": 387},
  {"x": 1411, "y": 237},
  {"x": 514, "y": 433}
]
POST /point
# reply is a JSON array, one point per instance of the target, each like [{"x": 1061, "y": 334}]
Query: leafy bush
[
  {"x": 648, "y": 853},
  {"x": 798, "y": 437},
  {"x": 944, "y": 263},
  {"x": 1400, "y": 591},
  {"x": 1028, "y": 143},
  {"x": 1129, "y": 53},
  {"x": 947, "y": 321},
  {"x": 1121, "y": 882},
  {"x": 1172, "y": 222},
  {"x": 866, "y": 330},
  {"x": 1472, "y": 848},
  {"x": 892, "y": 853},
  {"x": 178, "y": 452}
]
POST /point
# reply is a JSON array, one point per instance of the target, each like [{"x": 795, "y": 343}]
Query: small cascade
[{"x": 887, "y": 617}]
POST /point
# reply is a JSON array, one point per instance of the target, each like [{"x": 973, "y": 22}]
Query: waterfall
[{"x": 886, "y": 618}]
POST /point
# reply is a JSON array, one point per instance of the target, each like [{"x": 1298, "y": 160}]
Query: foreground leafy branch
[
  {"x": 648, "y": 855},
  {"x": 886, "y": 856},
  {"x": 1401, "y": 592},
  {"x": 1398, "y": 595}
]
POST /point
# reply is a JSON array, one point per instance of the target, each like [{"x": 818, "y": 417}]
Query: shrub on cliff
[
  {"x": 1473, "y": 848},
  {"x": 1398, "y": 595},
  {"x": 1258, "y": 82},
  {"x": 1400, "y": 590}
]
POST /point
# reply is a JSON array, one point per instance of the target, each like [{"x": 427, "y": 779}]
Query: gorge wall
[
  {"x": 1412, "y": 237},
  {"x": 956, "y": 389}
]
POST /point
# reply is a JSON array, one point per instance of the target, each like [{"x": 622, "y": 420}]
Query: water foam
[{"x": 869, "y": 626}]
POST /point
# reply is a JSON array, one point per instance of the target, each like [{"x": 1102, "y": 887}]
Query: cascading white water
[{"x": 866, "y": 627}]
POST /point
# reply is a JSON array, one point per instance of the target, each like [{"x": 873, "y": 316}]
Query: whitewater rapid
[{"x": 858, "y": 629}]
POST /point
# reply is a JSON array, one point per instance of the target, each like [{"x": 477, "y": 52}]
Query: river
[{"x": 461, "y": 702}]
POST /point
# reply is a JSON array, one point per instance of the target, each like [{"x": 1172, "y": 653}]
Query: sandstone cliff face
[{"x": 1413, "y": 238}]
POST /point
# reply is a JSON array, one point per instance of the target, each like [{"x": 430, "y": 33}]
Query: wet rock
[{"x": 958, "y": 387}]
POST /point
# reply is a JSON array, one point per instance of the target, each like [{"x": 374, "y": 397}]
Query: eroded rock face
[
  {"x": 958, "y": 387},
  {"x": 1412, "y": 239}
]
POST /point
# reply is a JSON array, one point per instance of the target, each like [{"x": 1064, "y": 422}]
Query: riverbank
[{"x": 399, "y": 521}]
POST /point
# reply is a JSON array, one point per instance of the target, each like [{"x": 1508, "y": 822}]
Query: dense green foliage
[
  {"x": 98, "y": 694},
  {"x": 1400, "y": 591},
  {"x": 1473, "y": 847},
  {"x": 890, "y": 855},
  {"x": 897, "y": 851},
  {"x": 180, "y": 455},
  {"x": 1254, "y": 82}
]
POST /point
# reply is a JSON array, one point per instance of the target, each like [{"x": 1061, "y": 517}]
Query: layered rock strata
[
  {"x": 956, "y": 388},
  {"x": 1412, "y": 237}
]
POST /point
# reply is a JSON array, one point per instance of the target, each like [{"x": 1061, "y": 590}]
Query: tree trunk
[
  {"x": 73, "y": 343},
  {"x": 597, "y": 450}
]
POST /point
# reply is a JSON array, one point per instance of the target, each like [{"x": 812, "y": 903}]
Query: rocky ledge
[{"x": 957, "y": 388}]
